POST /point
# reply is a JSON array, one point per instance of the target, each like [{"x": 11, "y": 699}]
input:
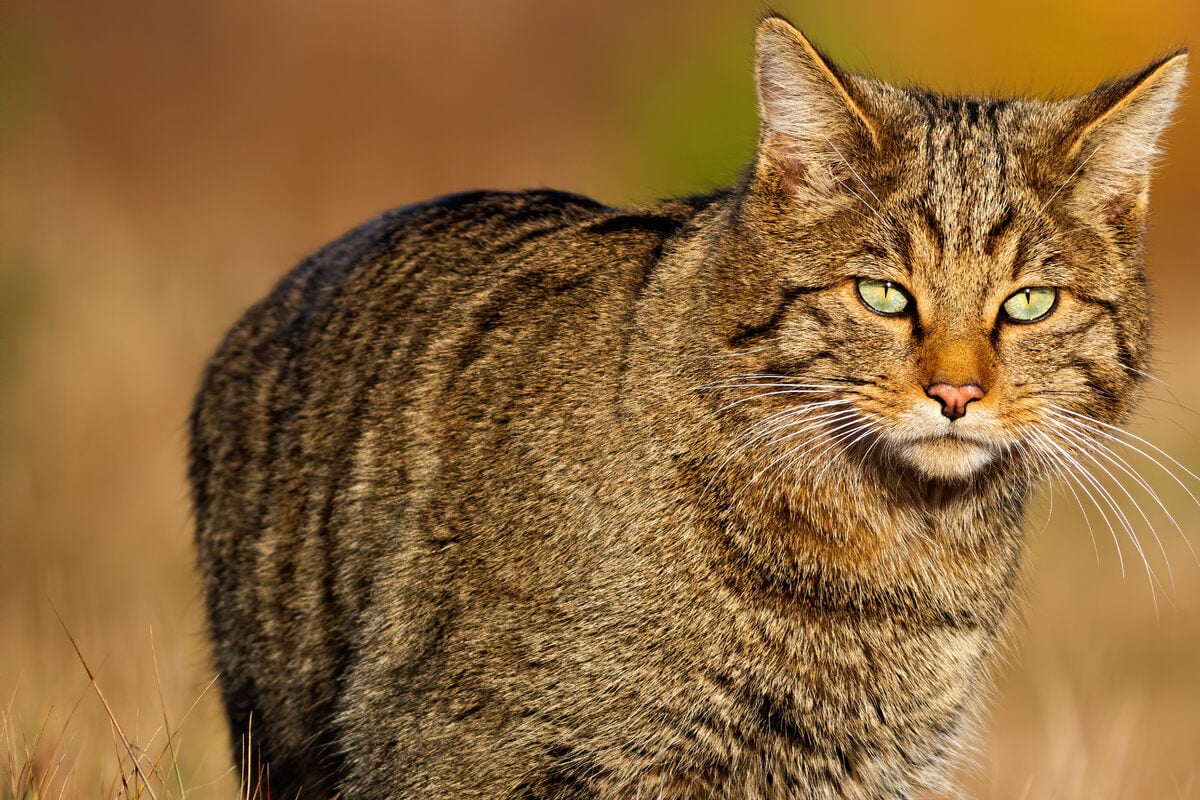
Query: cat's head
[{"x": 951, "y": 280}]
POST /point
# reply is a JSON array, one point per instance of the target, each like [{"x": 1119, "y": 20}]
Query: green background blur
[{"x": 163, "y": 162}]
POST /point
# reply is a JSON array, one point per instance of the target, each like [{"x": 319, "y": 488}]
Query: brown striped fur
[{"x": 520, "y": 496}]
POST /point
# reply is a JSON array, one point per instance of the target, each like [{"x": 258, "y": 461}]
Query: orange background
[{"x": 163, "y": 162}]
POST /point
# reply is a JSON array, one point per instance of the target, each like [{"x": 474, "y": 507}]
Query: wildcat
[{"x": 515, "y": 495}]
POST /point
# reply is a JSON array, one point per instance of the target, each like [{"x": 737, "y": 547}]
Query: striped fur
[{"x": 520, "y": 496}]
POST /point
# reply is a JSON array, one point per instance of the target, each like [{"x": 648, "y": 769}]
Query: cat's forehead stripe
[
  {"x": 961, "y": 170},
  {"x": 996, "y": 233}
]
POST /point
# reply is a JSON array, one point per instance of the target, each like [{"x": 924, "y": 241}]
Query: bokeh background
[{"x": 163, "y": 162}]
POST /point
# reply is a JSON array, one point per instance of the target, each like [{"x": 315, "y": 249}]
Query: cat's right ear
[
  {"x": 1115, "y": 143},
  {"x": 812, "y": 127}
]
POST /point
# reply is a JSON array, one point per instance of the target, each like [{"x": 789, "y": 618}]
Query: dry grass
[
  {"x": 50, "y": 761},
  {"x": 161, "y": 164}
]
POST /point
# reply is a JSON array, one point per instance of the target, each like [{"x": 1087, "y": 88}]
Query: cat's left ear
[{"x": 1116, "y": 135}]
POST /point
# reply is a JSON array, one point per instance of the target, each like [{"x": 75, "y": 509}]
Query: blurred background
[{"x": 163, "y": 162}]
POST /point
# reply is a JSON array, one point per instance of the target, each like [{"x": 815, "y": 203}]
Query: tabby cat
[{"x": 516, "y": 495}]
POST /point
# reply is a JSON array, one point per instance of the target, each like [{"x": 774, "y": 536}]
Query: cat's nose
[{"x": 954, "y": 399}]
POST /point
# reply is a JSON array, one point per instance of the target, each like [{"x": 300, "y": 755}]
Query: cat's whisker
[
  {"x": 854, "y": 211},
  {"x": 1034, "y": 462},
  {"x": 1081, "y": 471},
  {"x": 1018, "y": 455},
  {"x": 759, "y": 432},
  {"x": 867, "y": 428},
  {"x": 1125, "y": 467},
  {"x": 1147, "y": 375},
  {"x": 1167, "y": 401},
  {"x": 875, "y": 443},
  {"x": 1110, "y": 431},
  {"x": 1170, "y": 400},
  {"x": 1055, "y": 470},
  {"x": 791, "y": 453},
  {"x": 786, "y": 464},
  {"x": 762, "y": 379},
  {"x": 1119, "y": 512},
  {"x": 808, "y": 423},
  {"x": 1066, "y": 480},
  {"x": 752, "y": 398},
  {"x": 1071, "y": 475},
  {"x": 830, "y": 437},
  {"x": 1142, "y": 482},
  {"x": 800, "y": 454},
  {"x": 1167, "y": 387},
  {"x": 1024, "y": 454},
  {"x": 806, "y": 387},
  {"x": 1100, "y": 430},
  {"x": 1093, "y": 453},
  {"x": 850, "y": 190},
  {"x": 789, "y": 412}
]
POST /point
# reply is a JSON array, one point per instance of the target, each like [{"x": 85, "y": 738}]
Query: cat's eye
[
  {"x": 1031, "y": 304},
  {"x": 883, "y": 297}
]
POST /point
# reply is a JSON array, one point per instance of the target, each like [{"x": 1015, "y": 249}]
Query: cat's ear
[
  {"x": 1115, "y": 140},
  {"x": 812, "y": 126}
]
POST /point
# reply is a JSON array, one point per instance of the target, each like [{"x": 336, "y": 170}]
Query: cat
[{"x": 516, "y": 495}]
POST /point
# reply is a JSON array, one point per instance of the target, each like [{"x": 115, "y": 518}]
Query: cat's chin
[{"x": 947, "y": 458}]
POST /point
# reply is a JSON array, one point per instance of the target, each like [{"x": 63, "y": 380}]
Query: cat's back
[
  {"x": 298, "y": 374},
  {"x": 422, "y": 293},
  {"x": 424, "y": 263},
  {"x": 396, "y": 287},
  {"x": 389, "y": 382}
]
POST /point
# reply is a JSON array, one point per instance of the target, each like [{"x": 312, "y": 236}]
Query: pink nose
[{"x": 954, "y": 399}]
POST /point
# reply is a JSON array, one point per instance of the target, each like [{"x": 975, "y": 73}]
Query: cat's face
[{"x": 950, "y": 282}]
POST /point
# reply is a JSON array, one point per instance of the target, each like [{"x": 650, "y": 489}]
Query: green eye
[
  {"x": 1031, "y": 304},
  {"x": 883, "y": 296}
]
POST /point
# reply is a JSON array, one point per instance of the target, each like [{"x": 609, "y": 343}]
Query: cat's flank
[{"x": 521, "y": 496}]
